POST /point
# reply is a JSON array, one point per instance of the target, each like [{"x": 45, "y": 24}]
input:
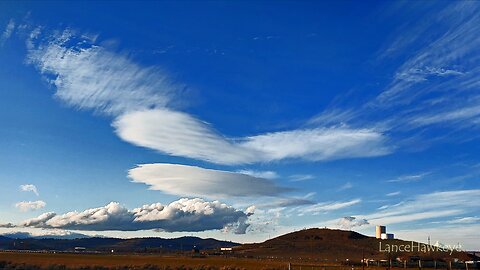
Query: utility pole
[{"x": 363, "y": 259}]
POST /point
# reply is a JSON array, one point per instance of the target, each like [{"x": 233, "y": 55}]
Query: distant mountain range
[{"x": 21, "y": 241}]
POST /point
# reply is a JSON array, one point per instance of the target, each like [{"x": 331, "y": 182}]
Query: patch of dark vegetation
[{"x": 4, "y": 265}]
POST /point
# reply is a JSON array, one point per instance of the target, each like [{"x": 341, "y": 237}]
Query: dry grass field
[{"x": 107, "y": 260}]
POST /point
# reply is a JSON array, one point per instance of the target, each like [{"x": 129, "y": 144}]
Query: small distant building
[
  {"x": 80, "y": 249},
  {"x": 226, "y": 250},
  {"x": 384, "y": 236},
  {"x": 379, "y": 230}
]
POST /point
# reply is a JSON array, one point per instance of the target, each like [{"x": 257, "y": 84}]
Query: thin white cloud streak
[
  {"x": 7, "y": 33},
  {"x": 393, "y": 193},
  {"x": 87, "y": 76},
  {"x": 427, "y": 206},
  {"x": 29, "y": 188},
  {"x": 181, "y": 215},
  {"x": 300, "y": 177},
  {"x": 186, "y": 180},
  {"x": 464, "y": 220},
  {"x": 409, "y": 178},
  {"x": 26, "y": 206},
  {"x": 260, "y": 174},
  {"x": 325, "y": 207},
  {"x": 454, "y": 115}
]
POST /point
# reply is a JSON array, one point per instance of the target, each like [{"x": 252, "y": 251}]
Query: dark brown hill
[{"x": 332, "y": 245}]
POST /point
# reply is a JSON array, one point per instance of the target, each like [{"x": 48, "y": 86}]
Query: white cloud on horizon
[
  {"x": 350, "y": 222},
  {"x": 28, "y": 188},
  {"x": 26, "y": 206},
  {"x": 182, "y": 215},
  {"x": 45, "y": 233},
  {"x": 186, "y": 180}
]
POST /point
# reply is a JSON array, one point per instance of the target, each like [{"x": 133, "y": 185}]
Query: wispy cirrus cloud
[
  {"x": 178, "y": 216},
  {"x": 325, "y": 207},
  {"x": 300, "y": 177},
  {"x": 427, "y": 206},
  {"x": 409, "y": 178},
  {"x": 432, "y": 87},
  {"x": 29, "y": 188},
  {"x": 395, "y": 193},
  {"x": 30, "y": 205},
  {"x": 7, "y": 33},
  {"x": 464, "y": 220},
  {"x": 142, "y": 102}
]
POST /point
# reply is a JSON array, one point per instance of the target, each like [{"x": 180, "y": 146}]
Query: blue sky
[{"x": 241, "y": 120}]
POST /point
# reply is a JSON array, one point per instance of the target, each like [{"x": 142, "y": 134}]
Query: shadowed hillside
[{"x": 331, "y": 245}]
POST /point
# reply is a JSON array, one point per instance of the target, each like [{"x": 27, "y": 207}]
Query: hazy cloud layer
[
  {"x": 29, "y": 206},
  {"x": 190, "y": 180},
  {"x": 179, "y": 216}
]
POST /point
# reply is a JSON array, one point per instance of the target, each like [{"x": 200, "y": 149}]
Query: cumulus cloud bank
[
  {"x": 88, "y": 76},
  {"x": 29, "y": 206},
  {"x": 191, "y": 180},
  {"x": 182, "y": 215}
]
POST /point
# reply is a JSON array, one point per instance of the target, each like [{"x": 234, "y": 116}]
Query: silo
[{"x": 379, "y": 230}]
